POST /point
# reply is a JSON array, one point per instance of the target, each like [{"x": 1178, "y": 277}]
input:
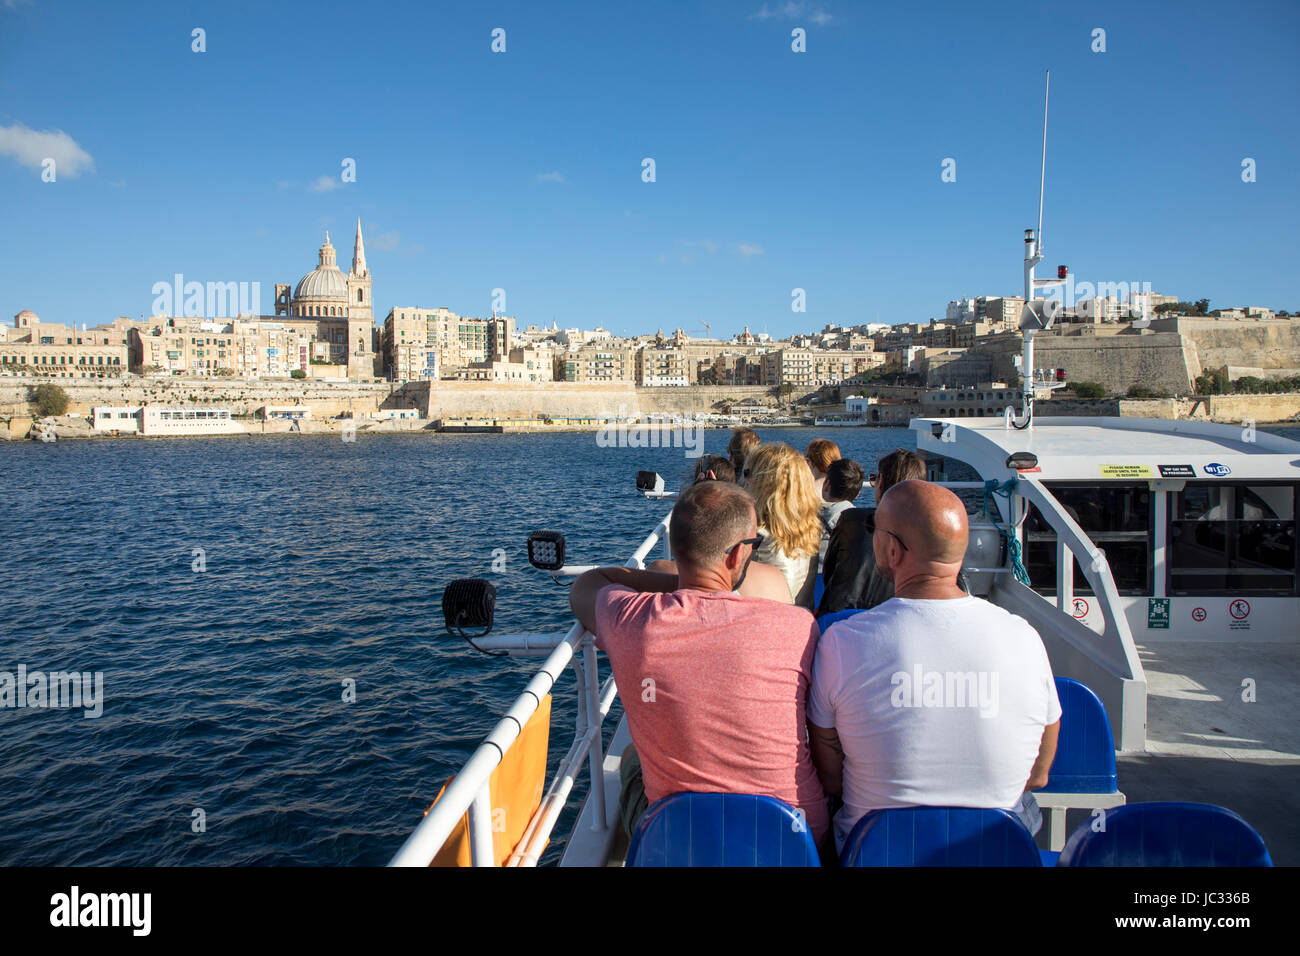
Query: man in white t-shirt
[{"x": 934, "y": 698}]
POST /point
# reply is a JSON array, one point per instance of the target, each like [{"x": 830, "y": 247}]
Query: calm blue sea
[{"x": 324, "y": 562}]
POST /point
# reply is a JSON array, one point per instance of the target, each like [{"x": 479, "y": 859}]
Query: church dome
[{"x": 325, "y": 282}]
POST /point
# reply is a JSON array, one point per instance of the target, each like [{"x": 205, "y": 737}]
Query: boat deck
[{"x": 1205, "y": 744}]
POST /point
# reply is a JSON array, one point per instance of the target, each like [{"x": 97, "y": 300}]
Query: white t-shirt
[{"x": 936, "y": 703}]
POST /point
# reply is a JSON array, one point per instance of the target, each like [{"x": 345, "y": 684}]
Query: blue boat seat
[
  {"x": 1166, "y": 834},
  {"x": 721, "y": 829},
  {"x": 1083, "y": 772},
  {"x": 826, "y": 620},
  {"x": 940, "y": 836}
]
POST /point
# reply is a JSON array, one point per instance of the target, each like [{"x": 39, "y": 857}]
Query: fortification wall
[
  {"x": 1157, "y": 360},
  {"x": 1252, "y": 343},
  {"x": 325, "y": 399}
]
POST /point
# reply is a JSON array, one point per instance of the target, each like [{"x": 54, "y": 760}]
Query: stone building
[{"x": 33, "y": 347}]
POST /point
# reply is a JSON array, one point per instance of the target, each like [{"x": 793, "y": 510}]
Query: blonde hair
[{"x": 785, "y": 500}]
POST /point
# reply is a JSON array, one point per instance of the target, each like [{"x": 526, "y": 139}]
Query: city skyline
[{"x": 517, "y": 170}]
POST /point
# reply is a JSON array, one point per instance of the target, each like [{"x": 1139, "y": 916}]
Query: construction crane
[{"x": 708, "y": 329}]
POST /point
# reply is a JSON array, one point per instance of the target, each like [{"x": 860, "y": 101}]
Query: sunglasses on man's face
[
  {"x": 870, "y": 526},
  {"x": 753, "y": 542}
]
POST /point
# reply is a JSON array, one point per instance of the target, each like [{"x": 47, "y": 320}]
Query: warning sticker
[
  {"x": 1177, "y": 471},
  {"x": 1126, "y": 471}
]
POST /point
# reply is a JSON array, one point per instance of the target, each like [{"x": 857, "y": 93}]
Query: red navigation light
[
  {"x": 1062, "y": 271},
  {"x": 1060, "y": 375}
]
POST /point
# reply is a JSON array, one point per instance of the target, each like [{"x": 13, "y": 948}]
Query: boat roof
[{"x": 1114, "y": 449}]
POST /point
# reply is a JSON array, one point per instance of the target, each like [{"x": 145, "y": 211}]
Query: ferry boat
[
  {"x": 1156, "y": 559},
  {"x": 839, "y": 421}
]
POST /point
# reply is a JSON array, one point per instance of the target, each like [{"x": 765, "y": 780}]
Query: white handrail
[{"x": 467, "y": 792}]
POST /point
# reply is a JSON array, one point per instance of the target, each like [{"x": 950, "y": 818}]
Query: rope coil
[{"x": 1006, "y": 489}]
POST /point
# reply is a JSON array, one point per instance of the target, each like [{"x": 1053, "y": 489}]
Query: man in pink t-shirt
[{"x": 714, "y": 684}]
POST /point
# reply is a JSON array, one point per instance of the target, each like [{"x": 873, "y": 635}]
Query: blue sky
[{"x": 522, "y": 170}]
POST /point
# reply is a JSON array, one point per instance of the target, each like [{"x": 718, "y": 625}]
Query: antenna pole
[{"x": 1042, "y": 178}]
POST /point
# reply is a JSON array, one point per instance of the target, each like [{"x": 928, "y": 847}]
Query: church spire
[{"x": 359, "y": 254}]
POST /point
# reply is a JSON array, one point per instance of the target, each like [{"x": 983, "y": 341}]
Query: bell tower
[{"x": 361, "y": 315}]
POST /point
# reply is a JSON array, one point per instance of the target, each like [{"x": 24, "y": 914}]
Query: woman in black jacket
[{"x": 849, "y": 573}]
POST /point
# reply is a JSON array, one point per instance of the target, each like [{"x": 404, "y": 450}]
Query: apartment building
[
  {"x": 664, "y": 367},
  {"x": 244, "y": 348},
  {"x": 813, "y": 368},
  {"x": 596, "y": 363},
  {"x": 33, "y": 347}
]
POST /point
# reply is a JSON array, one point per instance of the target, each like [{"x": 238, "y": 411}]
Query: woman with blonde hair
[{"x": 788, "y": 510}]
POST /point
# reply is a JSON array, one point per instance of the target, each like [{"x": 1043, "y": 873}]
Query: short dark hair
[
  {"x": 722, "y": 469},
  {"x": 897, "y": 466},
  {"x": 709, "y": 518},
  {"x": 844, "y": 480}
]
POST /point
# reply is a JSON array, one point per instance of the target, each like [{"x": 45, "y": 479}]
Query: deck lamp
[
  {"x": 1023, "y": 461},
  {"x": 546, "y": 550},
  {"x": 469, "y": 603},
  {"x": 649, "y": 481}
]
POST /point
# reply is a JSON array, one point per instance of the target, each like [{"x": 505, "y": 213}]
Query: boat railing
[
  {"x": 468, "y": 795},
  {"x": 1106, "y": 660}
]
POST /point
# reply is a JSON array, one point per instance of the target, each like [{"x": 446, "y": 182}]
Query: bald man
[{"x": 935, "y": 697}]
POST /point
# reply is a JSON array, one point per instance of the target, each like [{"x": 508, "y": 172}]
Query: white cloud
[
  {"x": 748, "y": 249},
  {"x": 31, "y": 148},
  {"x": 14, "y": 4},
  {"x": 385, "y": 242},
  {"x": 791, "y": 10},
  {"x": 323, "y": 184},
  {"x": 708, "y": 245},
  {"x": 552, "y": 177}
]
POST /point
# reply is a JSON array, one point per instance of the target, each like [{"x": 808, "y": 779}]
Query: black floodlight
[
  {"x": 546, "y": 550},
  {"x": 469, "y": 602},
  {"x": 649, "y": 481},
  {"x": 1023, "y": 461}
]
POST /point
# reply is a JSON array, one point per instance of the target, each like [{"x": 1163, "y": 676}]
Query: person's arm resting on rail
[{"x": 582, "y": 596}]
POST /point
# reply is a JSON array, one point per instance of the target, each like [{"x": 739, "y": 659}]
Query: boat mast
[{"x": 1034, "y": 315}]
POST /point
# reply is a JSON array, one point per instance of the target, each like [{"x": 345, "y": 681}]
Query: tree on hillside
[
  {"x": 1088, "y": 389},
  {"x": 1212, "y": 383},
  {"x": 49, "y": 400}
]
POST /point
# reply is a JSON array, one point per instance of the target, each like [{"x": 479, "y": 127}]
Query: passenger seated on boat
[
  {"x": 743, "y": 441},
  {"x": 714, "y": 468},
  {"x": 849, "y": 573},
  {"x": 934, "y": 698},
  {"x": 842, "y": 487},
  {"x": 821, "y": 454},
  {"x": 789, "y": 519},
  {"x": 714, "y": 684}
]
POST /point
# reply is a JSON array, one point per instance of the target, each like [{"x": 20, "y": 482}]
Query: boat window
[
  {"x": 1118, "y": 519},
  {"x": 1232, "y": 537}
]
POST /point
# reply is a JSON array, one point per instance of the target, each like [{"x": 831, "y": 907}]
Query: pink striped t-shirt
[{"x": 714, "y": 686}]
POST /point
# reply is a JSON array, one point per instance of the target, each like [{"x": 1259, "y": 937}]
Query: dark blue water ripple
[{"x": 325, "y": 561}]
